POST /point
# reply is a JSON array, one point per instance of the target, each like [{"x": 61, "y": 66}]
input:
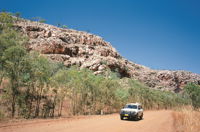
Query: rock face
[{"x": 86, "y": 50}]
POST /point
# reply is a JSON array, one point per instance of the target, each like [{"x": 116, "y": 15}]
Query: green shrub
[{"x": 193, "y": 91}]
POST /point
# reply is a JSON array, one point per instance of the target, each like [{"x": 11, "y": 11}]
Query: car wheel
[
  {"x": 121, "y": 117},
  {"x": 141, "y": 116}
]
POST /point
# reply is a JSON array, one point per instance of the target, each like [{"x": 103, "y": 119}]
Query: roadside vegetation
[
  {"x": 193, "y": 91},
  {"x": 32, "y": 86},
  {"x": 186, "y": 120}
]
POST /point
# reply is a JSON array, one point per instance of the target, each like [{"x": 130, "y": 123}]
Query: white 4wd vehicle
[{"x": 132, "y": 111}]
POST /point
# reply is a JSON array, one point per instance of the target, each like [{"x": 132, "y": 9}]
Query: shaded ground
[{"x": 153, "y": 121}]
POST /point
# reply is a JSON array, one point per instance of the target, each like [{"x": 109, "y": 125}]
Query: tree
[
  {"x": 59, "y": 82},
  {"x": 41, "y": 71},
  {"x": 12, "y": 55},
  {"x": 13, "y": 58},
  {"x": 39, "y": 19},
  {"x": 17, "y": 14},
  {"x": 6, "y": 19},
  {"x": 64, "y": 26}
]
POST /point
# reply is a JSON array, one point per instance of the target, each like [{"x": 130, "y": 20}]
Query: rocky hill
[{"x": 86, "y": 50}]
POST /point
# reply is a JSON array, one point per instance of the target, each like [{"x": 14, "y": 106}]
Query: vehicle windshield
[{"x": 131, "y": 106}]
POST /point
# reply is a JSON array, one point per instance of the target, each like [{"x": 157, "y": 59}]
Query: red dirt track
[{"x": 153, "y": 121}]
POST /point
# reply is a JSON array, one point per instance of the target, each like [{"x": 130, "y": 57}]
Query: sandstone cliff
[{"x": 86, "y": 50}]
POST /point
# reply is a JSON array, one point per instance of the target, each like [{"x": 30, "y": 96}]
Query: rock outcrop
[{"x": 86, "y": 50}]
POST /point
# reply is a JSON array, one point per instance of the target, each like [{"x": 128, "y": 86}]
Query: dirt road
[{"x": 154, "y": 121}]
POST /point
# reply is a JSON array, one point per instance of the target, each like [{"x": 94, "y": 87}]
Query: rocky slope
[{"x": 86, "y": 50}]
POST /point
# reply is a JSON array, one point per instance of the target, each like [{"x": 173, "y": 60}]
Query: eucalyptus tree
[{"x": 13, "y": 58}]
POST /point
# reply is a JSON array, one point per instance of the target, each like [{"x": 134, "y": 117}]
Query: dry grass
[{"x": 186, "y": 120}]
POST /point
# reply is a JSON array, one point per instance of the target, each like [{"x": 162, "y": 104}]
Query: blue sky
[{"x": 160, "y": 34}]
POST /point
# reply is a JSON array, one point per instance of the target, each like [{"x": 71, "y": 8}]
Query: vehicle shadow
[{"x": 135, "y": 120}]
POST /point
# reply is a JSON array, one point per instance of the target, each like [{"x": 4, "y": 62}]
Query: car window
[{"x": 131, "y": 106}]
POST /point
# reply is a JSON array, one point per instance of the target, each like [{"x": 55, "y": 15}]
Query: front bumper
[{"x": 130, "y": 115}]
